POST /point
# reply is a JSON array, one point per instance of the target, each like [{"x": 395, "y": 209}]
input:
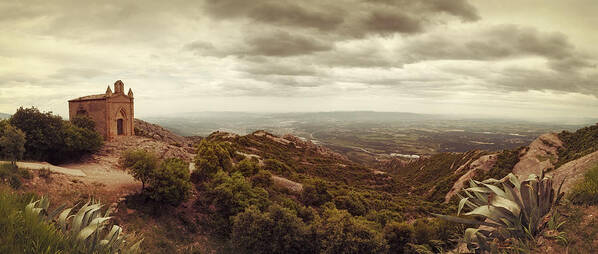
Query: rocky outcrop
[
  {"x": 539, "y": 156},
  {"x": 111, "y": 152},
  {"x": 574, "y": 171},
  {"x": 482, "y": 164},
  {"x": 156, "y": 132}
]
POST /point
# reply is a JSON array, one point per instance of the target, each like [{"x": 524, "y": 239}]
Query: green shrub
[
  {"x": 316, "y": 194},
  {"x": 247, "y": 167},
  {"x": 262, "y": 179},
  {"x": 278, "y": 230},
  {"x": 516, "y": 211},
  {"x": 211, "y": 157},
  {"x": 24, "y": 232},
  {"x": 170, "y": 182},
  {"x": 586, "y": 190},
  {"x": 44, "y": 173},
  {"x": 49, "y": 138},
  {"x": 141, "y": 164},
  {"x": 352, "y": 202},
  {"x": 384, "y": 216},
  {"x": 11, "y": 174},
  {"x": 277, "y": 167},
  {"x": 339, "y": 232},
  {"x": 398, "y": 235},
  {"x": 12, "y": 143},
  {"x": 226, "y": 196}
]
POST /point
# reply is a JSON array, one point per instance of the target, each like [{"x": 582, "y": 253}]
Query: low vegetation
[
  {"x": 513, "y": 216},
  {"x": 577, "y": 144},
  {"x": 12, "y": 175},
  {"x": 167, "y": 181},
  {"x": 585, "y": 192},
  {"x": 28, "y": 227}
]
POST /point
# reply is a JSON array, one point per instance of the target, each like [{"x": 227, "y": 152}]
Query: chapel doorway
[{"x": 119, "y": 127}]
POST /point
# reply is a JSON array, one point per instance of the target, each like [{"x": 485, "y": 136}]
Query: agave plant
[
  {"x": 87, "y": 227},
  {"x": 516, "y": 212}
]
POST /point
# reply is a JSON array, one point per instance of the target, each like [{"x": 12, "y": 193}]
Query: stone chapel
[{"x": 113, "y": 112}]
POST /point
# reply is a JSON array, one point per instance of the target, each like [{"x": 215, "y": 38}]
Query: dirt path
[{"x": 55, "y": 169}]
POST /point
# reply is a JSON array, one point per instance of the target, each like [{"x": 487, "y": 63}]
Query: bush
[
  {"x": 11, "y": 174},
  {"x": 12, "y": 143},
  {"x": 315, "y": 195},
  {"x": 384, "y": 216},
  {"x": 26, "y": 233},
  {"x": 248, "y": 167},
  {"x": 49, "y": 138},
  {"x": 339, "y": 232},
  {"x": 227, "y": 196},
  {"x": 44, "y": 173},
  {"x": 262, "y": 179},
  {"x": 170, "y": 182},
  {"x": 586, "y": 191},
  {"x": 278, "y": 230},
  {"x": 212, "y": 156},
  {"x": 141, "y": 164},
  {"x": 398, "y": 235},
  {"x": 352, "y": 202},
  {"x": 277, "y": 167}
]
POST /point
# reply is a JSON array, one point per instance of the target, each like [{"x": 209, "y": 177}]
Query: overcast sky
[{"x": 532, "y": 59}]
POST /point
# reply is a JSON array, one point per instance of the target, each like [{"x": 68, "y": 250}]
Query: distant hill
[{"x": 4, "y": 116}]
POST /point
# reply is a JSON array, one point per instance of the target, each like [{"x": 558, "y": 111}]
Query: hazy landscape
[
  {"x": 369, "y": 135},
  {"x": 298, "y": 127}
]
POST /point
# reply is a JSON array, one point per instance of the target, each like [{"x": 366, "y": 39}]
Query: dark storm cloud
[
  {"x": 389, "y": 22},
  {"x": 283, "y": 44},
  {"x": 344, "y": 18},
  {"x": 294, "y": 15},
  {"x": 459, "y": 8},
  {"x": 496, "y": 43}
]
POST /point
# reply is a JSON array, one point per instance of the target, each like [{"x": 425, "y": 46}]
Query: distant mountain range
[{"x": 4, "y": 116}]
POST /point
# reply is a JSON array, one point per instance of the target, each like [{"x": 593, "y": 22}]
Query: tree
[
  {"x": 12, "y": 143},
  {"x": 141, "y": 165},
  {"x": 170, "y": 182},
  {"x": 42, "y": 129},
  {"x": 279, "y": 230}
]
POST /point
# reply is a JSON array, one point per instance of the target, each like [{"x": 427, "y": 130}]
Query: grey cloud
[
  {"x": 389, "y": 22},
  {"x": 283, "y": 44},
  {"x": 280, "y": 69},
  {"x": 294, "y": 15},
  {"x": 344, "y": 18},
  {"x": 495, "y": 43},
  {"x": 459, "y": 8}
]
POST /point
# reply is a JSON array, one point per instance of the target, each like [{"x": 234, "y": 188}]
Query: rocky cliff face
[
  {"x": 156, "y": 132},
  {"x": 540, "y": 155},
  {"x": 482, "y": 164}
]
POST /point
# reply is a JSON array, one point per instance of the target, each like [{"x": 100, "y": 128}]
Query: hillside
[{"x": 308, "y": 181}]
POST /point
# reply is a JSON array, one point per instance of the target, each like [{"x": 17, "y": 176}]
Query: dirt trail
[{"x": 55, "y": 169}]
